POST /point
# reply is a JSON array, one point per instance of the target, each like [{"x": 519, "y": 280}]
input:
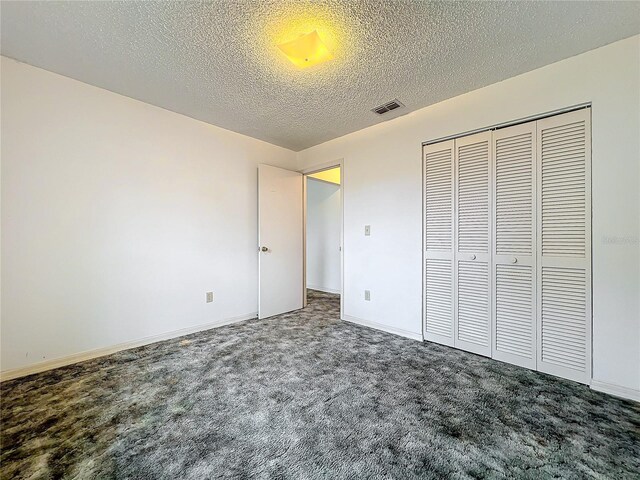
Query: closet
[{"x": 507, "y": 244}]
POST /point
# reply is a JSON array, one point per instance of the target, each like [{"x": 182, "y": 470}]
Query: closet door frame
[
  {"x": 560, "y": 116},
  {"x": 475, "y": 257}
]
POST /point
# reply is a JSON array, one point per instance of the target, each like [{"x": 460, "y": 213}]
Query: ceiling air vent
[{"x": 387, "y": 107}]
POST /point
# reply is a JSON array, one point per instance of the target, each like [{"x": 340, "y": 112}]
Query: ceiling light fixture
[{"x": 306, "y": 50}]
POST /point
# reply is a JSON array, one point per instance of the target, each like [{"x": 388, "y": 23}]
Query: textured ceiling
[{"x": 218, "y": 61}]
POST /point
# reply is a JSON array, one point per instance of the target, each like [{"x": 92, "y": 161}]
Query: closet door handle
[
  {"x": 514, "y": 260},
  {"x": 473, "y": 257}
]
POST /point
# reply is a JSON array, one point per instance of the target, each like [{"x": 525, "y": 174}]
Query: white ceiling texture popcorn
[{"x": 219, "y": 61}]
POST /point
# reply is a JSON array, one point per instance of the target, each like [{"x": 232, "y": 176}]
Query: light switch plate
[
  {"x": 367, "y": 295},
  {"x": 209, "y": 297},
  {"x": 367, "y": 230}
]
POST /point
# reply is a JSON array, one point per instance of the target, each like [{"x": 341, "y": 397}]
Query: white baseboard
[
  {"x": 101, "y": 352},
  {"x": 384, "y": 328},
  {"x": 616, "y": 390},
  {"x": 322, "y": 289}
]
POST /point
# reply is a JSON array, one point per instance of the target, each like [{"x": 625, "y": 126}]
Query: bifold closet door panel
[
  {"x": 564, "y": 245},
  {"x": 472, "y": 291},
  {"x": 514, "y": 232},
  {"x": 438, "y": 239}
]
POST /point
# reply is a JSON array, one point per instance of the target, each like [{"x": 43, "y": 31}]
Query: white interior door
[
  {"x": 280, "y": 238},
  {"x": 473, "y": 244},
  {"x": 514, "y": 266},
  {"x": 438, "y": 242},
  {"x": 564, "y": 245}
]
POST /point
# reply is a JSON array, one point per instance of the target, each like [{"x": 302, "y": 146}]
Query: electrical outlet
[
  {"x": 367, "y": 230},
  {"x": 367, "y": 295},
  {"x": 209, "y": 297}
]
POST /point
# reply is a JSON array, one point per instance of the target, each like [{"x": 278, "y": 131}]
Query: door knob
[
  {"x": 473, "y": 257},
  {"x": 264, "y": 249},
  {"x": 514, "y": 260}
]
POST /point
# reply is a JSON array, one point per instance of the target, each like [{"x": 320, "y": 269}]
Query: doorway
[
  {"x": 282, "y": 237},
  {"x": 323, "y": 202}
]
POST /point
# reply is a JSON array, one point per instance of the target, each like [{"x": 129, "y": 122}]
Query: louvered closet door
[
  {"x": 438, "y": 235},
  {"x": 564, "y": 245},
  {"x": 514, "y": 315},
  {"x": 472, "y": 253}
]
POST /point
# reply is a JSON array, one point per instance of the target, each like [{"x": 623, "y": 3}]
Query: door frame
[
  {"x": 589, "y": 380},
  {"x": 320, "y": 167}
]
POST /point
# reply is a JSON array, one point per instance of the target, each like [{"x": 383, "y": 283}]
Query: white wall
[
  {"x": 382, "y": 187},
  {"x": 117, "y": 217},
  {"x": 323, "y": 235}
]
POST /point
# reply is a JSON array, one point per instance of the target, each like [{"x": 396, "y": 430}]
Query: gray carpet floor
[{"x": 305, "y": 396}]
